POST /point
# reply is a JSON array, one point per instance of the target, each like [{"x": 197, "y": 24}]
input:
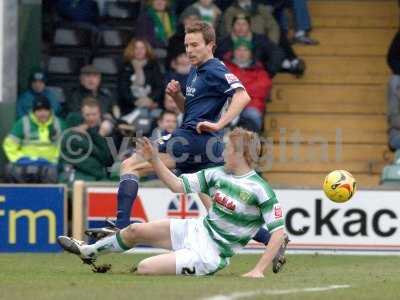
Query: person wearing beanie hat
[
  {"x": 90, "y": 86},
  {"x": 262, "y": 20},
  {"x": 266, "y": 51},
  {"x": 242, "y": 42},
  {"x": 256, "y": 81},
  {"x": 32, "y": 145},
  {"x": 37, "y": 88}
]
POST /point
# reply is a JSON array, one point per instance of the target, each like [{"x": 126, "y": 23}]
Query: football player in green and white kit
[{"x": 242, "y": 203}]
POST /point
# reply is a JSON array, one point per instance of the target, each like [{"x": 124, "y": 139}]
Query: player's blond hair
[{"x": 247, "y": 143}]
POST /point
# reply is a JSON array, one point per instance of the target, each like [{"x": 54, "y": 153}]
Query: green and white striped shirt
[{"x": 241, "y": 205}]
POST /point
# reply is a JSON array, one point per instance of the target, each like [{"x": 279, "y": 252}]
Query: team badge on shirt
[
  {"x": 231, "y": 78},
  {"x": 244, "y": 196}
]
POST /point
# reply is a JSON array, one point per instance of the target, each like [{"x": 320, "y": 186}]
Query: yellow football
[{"x": 339, "y": 186}]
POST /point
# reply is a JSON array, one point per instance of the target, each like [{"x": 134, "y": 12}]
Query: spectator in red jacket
[{"x": 256, "y": 81}]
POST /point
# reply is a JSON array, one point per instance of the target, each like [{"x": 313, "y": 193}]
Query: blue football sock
[
  {"x": 127, "y": 192},
  {"x": 262, "y": 236}
]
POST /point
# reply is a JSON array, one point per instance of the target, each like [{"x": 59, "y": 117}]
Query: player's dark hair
[{"x": 204, "y": 28}]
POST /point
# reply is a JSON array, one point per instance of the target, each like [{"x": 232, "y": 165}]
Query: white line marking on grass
[{"x": 243, "y": 295}]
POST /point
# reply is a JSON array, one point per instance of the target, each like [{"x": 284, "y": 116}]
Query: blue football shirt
[{"x": 209, "y": 87}]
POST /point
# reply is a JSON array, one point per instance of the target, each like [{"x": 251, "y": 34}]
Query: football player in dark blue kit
[{"x": 214, "y": 97}]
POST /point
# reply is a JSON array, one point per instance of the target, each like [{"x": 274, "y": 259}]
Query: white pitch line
[{"x": 243, "y": 295}]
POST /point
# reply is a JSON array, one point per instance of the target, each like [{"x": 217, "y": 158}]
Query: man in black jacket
[{"x": 90, "y": 85}]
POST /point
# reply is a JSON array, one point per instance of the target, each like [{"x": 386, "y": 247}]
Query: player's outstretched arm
[
  {"x": 239, "y": 101},
  {"x": 271, "y": 250},
  {"x": 149, "y": 153}
]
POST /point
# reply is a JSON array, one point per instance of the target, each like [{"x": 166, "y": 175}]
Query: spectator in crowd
[
  {"x": 393, "y": 110},
  {"x": 90, "y": 85},
  {"x": 81, "y": 11},
  {"x": 302, "y": 20},
  {"x": 86, "y": 154},
  {"x": 167, "y": 123},
  {"x": 170, "y": 105},
  {"x": 180, "y": 67},
  {"x": 32, "y": 145},
  {"x": 291, "y": 62},
  {"x": 176, "y": 44},
  {"x": 140, "y": 84},
  {"x": 262, "y": 20},
  {"x": 156, "y": 24},
  {"x": 256, "y": 81},
  {"x": 264, "y": 50},
  {"x": 208, "y": 11},
  {"x": 37, "y": 88}
]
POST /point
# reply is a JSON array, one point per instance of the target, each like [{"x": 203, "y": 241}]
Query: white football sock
[{"x": 106, "y": 245}]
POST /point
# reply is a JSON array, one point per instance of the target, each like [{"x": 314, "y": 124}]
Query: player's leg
[
  {"x": 131, "y": 169},
  {"x": 156, "y": 234},
  {"x": 163, "y": 264}
]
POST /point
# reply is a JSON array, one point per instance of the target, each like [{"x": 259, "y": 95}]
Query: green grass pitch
[{"x": 62, "y": 276}]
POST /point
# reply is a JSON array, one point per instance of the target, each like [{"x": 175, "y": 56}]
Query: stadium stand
[
  {"x": 344, "y": 87},
  {"x": 341, "y": 97},
  {"x": 121, "y": 14}
]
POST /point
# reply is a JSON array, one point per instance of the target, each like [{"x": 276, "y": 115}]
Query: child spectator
[
  {"x": 37, "y": 88},
  {"x": 32, "y": 145},
  {"x": 167, "y": 123},
  {"x": 180, "y": 71},
  {"x": 170, "y": 105},
  {"x": 256, "y": 81}
]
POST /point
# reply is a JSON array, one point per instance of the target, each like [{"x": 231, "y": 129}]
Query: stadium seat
[
  {"x": 108, "y": 66},
  {"x": 391, "y": 173},
  {"x": 70, "y": 41},
  {"x": 63, "y": 71},
  {"x": 113, "y": 41},
  {"x": 397, "y": 157},
  {"x": 121, "y": 14}
]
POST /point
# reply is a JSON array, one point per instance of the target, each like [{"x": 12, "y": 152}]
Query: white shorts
[{"x": 196, "y": 253}]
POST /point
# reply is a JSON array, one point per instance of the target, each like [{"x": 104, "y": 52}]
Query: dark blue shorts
[{"x": 193, "y": 151}]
